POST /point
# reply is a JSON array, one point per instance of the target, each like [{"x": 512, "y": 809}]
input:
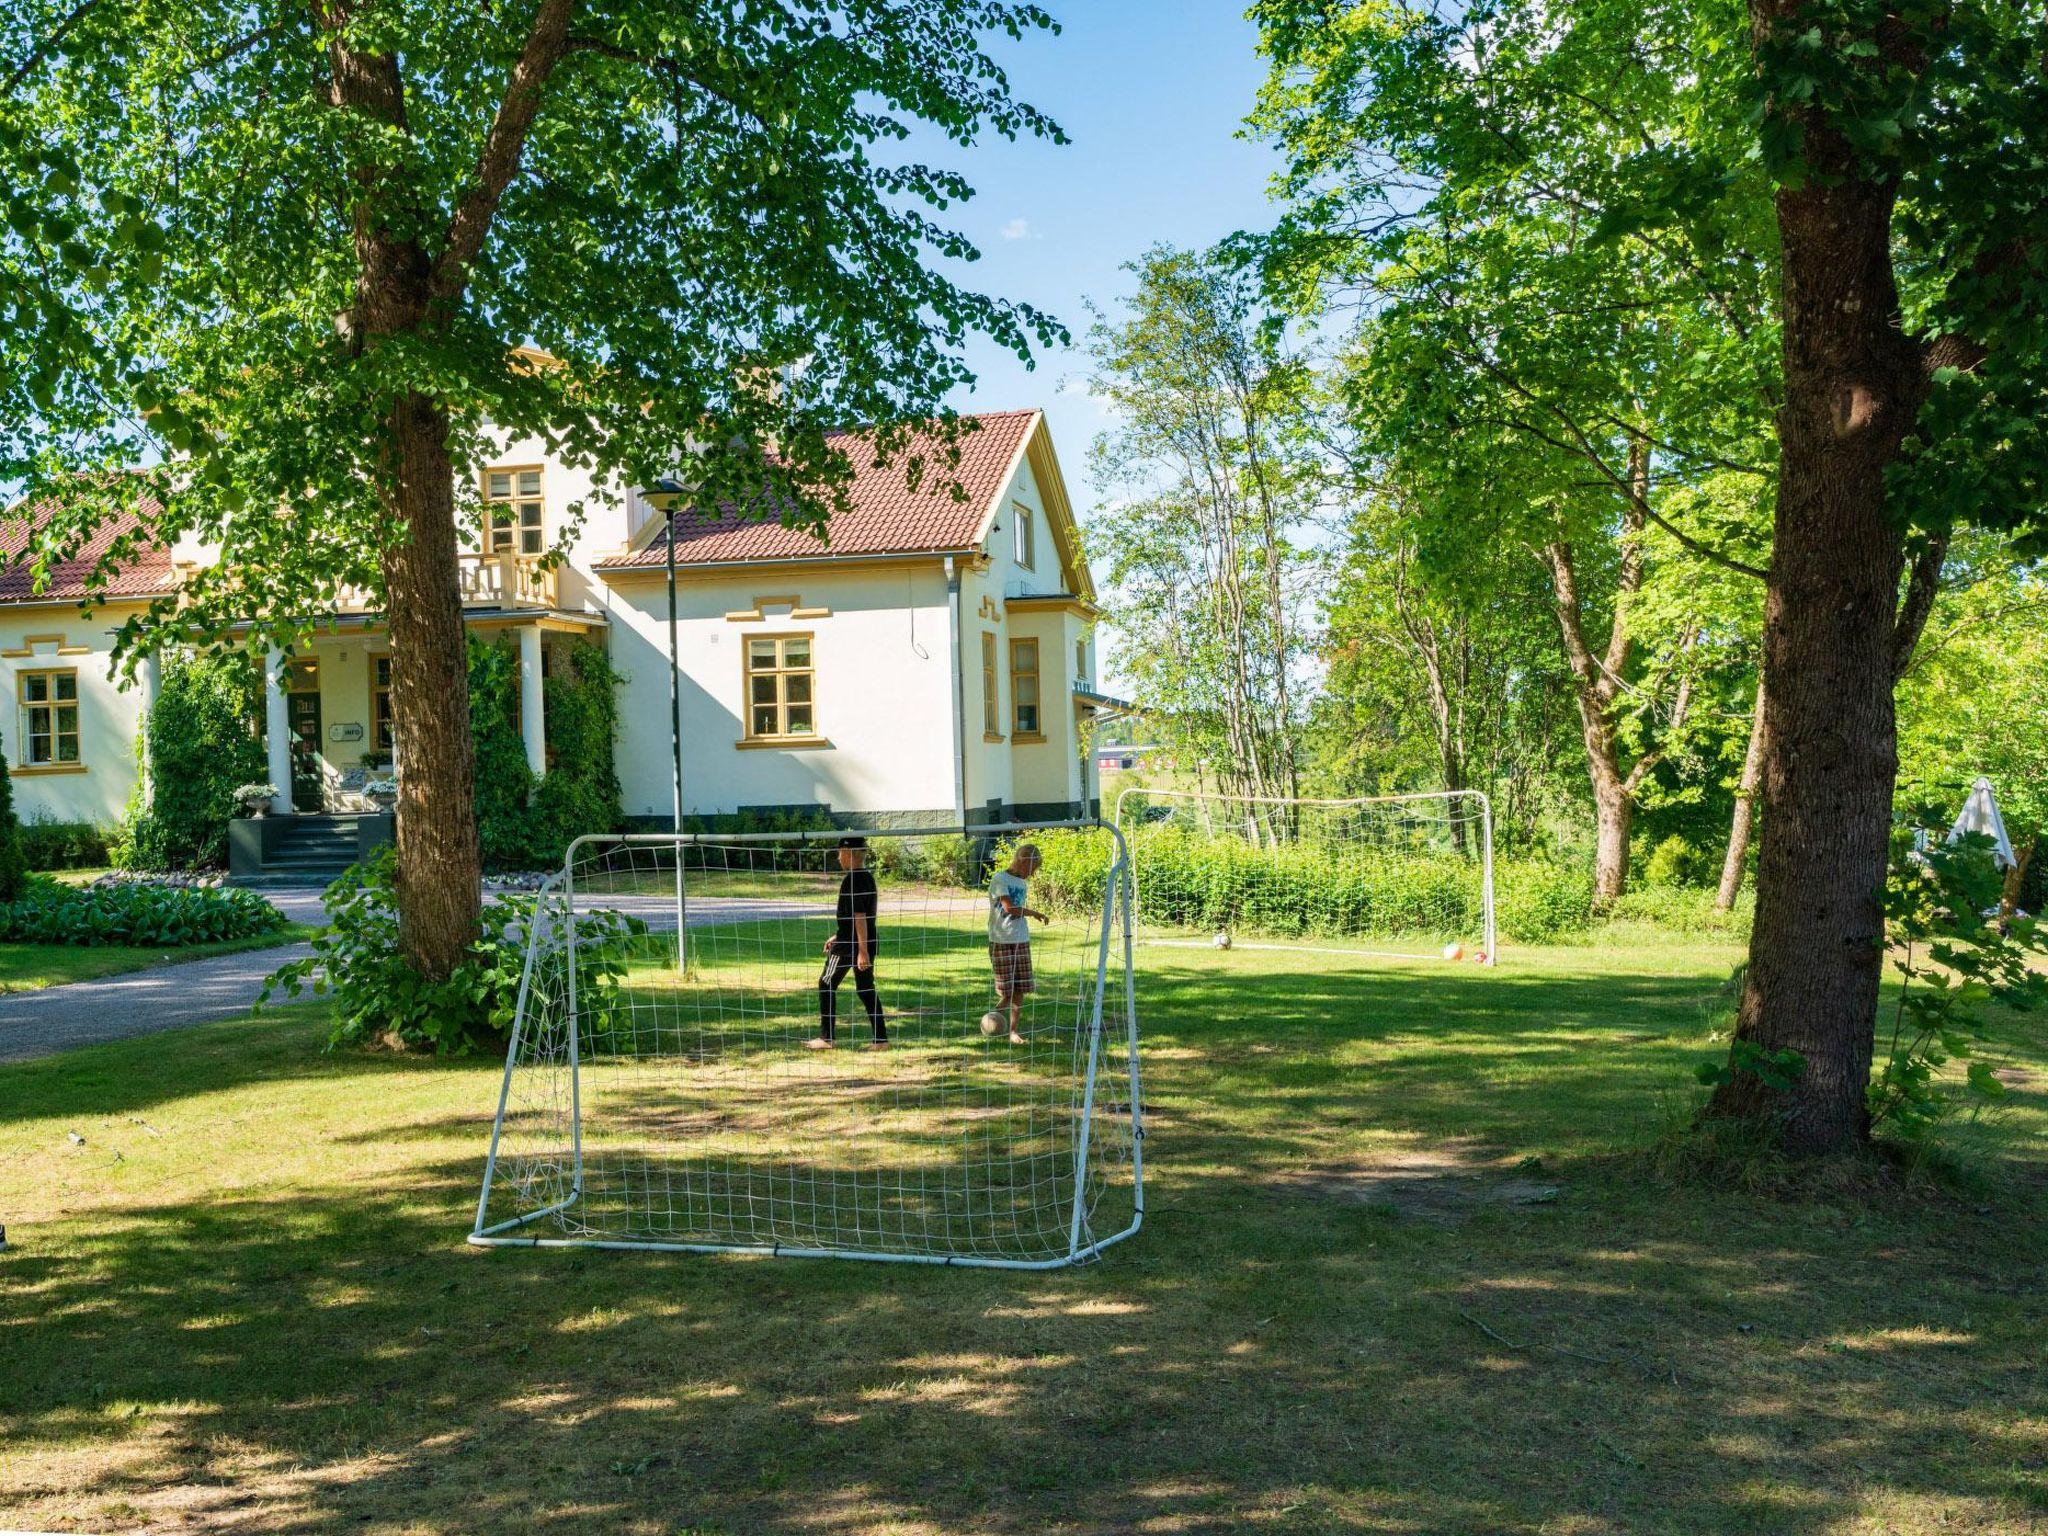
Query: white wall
[
  {"x": 109, "y": 715},
  {"x": 882, "y": 659}
]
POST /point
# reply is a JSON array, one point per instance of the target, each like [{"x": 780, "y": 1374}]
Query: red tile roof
[
  {"x": 886, "y": 517},
  {"x": 146, "y": 572}
]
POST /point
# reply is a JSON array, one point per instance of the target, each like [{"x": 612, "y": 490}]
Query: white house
[{"x": 929, "y": 661}]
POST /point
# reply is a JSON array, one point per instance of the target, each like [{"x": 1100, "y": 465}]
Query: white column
[
  {"x": 151, "y": 675},
  {"x": 277, "y": 729},
  {"x": 532, "y": 716}
]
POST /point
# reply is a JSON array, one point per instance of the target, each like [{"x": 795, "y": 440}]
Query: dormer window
[
  {"x": 512, "y": 521},
  {"x": 1027, "y": 535}
]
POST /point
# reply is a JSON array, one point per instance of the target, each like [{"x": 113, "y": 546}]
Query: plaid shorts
[{"x": 1012, "y": 965}]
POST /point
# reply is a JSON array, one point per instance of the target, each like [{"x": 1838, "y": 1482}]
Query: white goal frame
[
  {"x": 1490, "y": 940},
  {"x": 1111, "y": 1027}
]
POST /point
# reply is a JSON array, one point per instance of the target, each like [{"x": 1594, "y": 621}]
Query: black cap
[{"x": 853, "y": 842}]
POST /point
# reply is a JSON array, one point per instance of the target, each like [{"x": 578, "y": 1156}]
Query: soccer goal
[
  {"x": 770, "y": 1095},
  {"x": 1388, "y": 876}
]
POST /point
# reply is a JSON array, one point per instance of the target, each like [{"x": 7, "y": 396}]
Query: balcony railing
[
  {"x": 505, "y": 579},
  {"x": 501, "y": 579}
]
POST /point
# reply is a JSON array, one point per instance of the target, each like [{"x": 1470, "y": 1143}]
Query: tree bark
[
  {"x": 2023, "y": 850},
  {"x": 440, "y": 870},
  {"x": 1742, "y": 823},
  {"x": 1853, "y": 387}
]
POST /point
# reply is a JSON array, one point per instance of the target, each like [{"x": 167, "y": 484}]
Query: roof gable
[
  {"x": 885, "y": 516},
  {"x": 147, "y": 572}
]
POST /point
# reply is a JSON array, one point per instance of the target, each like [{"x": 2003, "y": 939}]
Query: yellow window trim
[
  {"x": 1027, "y": 738},
  {"x": 750, "y": 738},
  {"x": 43, "y": 770},
  {"x": 513, "y": 501},
  {"x": 64, "y": 647},
  {"x": 995, "y": 736},
  {"x": 758, "y": 613},
  {"x": 1034, "y": 672},
  {"x": 781, "y": 744}
]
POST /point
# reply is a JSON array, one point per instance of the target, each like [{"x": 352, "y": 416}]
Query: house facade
[{"x": 929, "y": 661}]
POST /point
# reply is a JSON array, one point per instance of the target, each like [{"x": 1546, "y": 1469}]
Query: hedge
[
  {"x": 1188, "y": 880},
  {"x": 66, "y": 845},
  {"x": 137, "y": 913}
]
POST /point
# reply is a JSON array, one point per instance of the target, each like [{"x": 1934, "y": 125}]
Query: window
[
  {"x": 1080, "y": 661},
  {"x": 991, "y": 706},
  {"x": 779, "y": 703},
  {"x": 1024, "y": 688},
  {"x": 49, "y": 719},
  {"x": 513, "y": 520},
  {"x": 1027, "y": 535},
  {"x": 381, "y": 736}
]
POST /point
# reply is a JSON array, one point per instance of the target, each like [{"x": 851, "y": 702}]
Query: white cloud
[{"x": 1018, "y": 229}]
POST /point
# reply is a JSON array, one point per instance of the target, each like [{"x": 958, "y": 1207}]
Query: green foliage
[
  {"x": 201, "y": 744},
  {"x": 522, "y": 824},
  {"x": 134, "y": 913},
  {"x": 947, "y": 861},
  {"x": 1303, "y": 890},
  {"x": 504, "y": 782},
  {"x": 65, "y": 844},
  {"x": 14, "y": 865},
  {"x": 1778, "y": 1070},
  {"x": 1675, "y": 863},
  {"x": 579, "y": 794},
  {"x": 1956, "y": 957},
  {"x": 378, "y": 997}
]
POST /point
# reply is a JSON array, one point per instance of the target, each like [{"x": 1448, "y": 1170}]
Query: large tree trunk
[
  {"x": 1743, "y": 822},
  {"x": 1614, "y": 814},
  {"x": 2023, "y": 849},
  {"x": 1853, "y": 386},
  {"x": 440, "y": 877}
]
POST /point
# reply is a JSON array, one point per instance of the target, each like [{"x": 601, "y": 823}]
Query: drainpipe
[{"x": 959, "y": 696}]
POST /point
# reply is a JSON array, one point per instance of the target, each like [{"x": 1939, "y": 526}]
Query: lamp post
[{"x": 665, "y": 496}]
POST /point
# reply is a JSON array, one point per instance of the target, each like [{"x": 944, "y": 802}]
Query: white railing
[{"x": 505, "y": 579}]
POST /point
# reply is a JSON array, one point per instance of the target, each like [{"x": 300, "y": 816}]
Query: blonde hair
[{"x": 1024, "y": 850}]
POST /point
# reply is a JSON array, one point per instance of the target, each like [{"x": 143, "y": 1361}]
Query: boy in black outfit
[{"x": 851, "y": 948}]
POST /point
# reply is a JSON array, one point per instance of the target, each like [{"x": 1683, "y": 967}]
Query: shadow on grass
[{"x": 308, "y": 1356}]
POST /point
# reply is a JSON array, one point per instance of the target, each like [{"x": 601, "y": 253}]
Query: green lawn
[
  {"x": 24, "y": 967},
  {"x": 1405, "y": 1269}
]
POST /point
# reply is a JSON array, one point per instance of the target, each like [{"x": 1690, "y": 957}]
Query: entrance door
[{"x": 302, "y": 712}]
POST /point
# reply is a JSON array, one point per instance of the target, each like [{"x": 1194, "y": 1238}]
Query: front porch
[{"x": 327, "y": 719}]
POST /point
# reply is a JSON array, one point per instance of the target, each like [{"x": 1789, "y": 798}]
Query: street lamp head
[{"x": 664, "y": 494}]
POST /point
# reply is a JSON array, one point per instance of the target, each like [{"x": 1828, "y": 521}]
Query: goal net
[
  {"x": 1395, "y": 876},
  {"x": 699, "y": 1061}
]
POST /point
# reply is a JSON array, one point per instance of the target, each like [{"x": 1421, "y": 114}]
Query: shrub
[
  {"x": 136, "y": 912},
  {"x": 201, "y": 744},
  {"x": 380, "y": 997},
  {"x": 504, "y": 783},
  {"x": 49, "y": 845},
  {"x": 13, "y": 866},
  {"x": 1539, "y": 902},
  {"x": 943, "y": 860},
  {"x": 1674, "y": 910},
  {"x": 1675, "y": 863}
]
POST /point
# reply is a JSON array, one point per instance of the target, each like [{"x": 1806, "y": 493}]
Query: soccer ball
[
  {"x": 991, "y": 1023},
  {"x": 1454, "y": 951},
  {"x": 1222, "y": 940}
]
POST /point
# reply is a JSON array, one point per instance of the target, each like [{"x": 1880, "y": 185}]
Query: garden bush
[
  {"x": 1681, "y": 911},
  {"x": 1188, "y": 880},
  {"x": 137, "y": 913},
  {"x": 944, "y": 860},
  {"x": 1675, "y": 863},
  {"x": 13, "y": 867},
  {"x": 380, "y": 998},
  {"x": 201, "y": 743},
  {"x": 47, "y": 845}
]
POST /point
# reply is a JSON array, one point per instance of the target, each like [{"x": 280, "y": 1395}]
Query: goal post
[
  {"x": 1407, "y": 876},
  {"x": 958, "y": 1099}
]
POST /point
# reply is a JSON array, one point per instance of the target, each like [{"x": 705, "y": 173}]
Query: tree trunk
[
  {"x": 1614, "y": 814},
  {"x": 1744, "y": 819},
  {"x": 2023, "y": 850},
  {"x": 439, "y": 866},
  {"x": 1853, "y": 386}
]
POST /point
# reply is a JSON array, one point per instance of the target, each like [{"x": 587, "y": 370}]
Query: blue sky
[{"x": 1152, "y": 93}]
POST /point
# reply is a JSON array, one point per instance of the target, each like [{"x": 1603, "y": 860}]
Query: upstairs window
[
  {"x": 779, "y": 678},
  {"x": 1080, "y": 661},
  {"x": 382, "y": 737},
  {"x": 513, "y": 519},
  {"x": 49, "y": 719},
  {"x": 1027, "y": 535},
  {"x": 1024, "y": 716},
  {"x": 991, "y": 706}
]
